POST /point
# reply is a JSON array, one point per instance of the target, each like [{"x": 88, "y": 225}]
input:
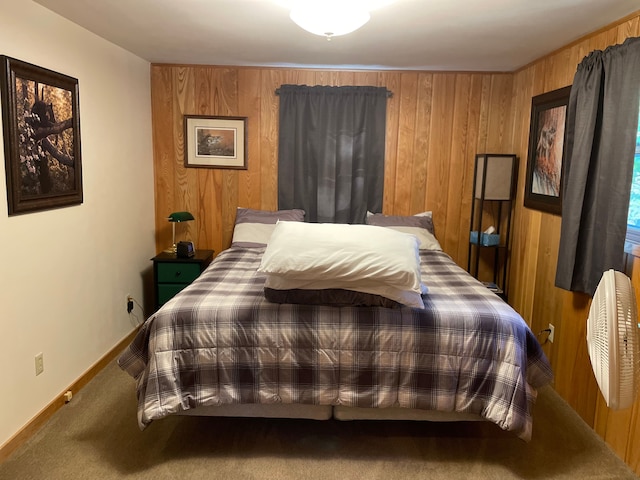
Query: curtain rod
[{"x": 389, "y": 92}]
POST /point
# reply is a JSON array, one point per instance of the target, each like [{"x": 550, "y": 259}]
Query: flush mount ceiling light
[{"x": 331, "y": 18}]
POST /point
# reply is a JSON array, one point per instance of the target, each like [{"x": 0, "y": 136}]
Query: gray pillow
[
  {"x": 253, "y": 227},
  {"x": 420, "y": 225}
]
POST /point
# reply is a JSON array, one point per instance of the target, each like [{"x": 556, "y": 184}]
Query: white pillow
[{"x": 362, "y": 258}]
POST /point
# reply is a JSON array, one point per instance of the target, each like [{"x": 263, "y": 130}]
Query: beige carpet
[{"x": 96, "y": 437}]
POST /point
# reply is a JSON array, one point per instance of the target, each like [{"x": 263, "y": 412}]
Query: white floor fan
[{"x": 613, "y": 339}]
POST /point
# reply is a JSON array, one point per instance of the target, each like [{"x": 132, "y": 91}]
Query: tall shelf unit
[{"x": 494, "y": 184}]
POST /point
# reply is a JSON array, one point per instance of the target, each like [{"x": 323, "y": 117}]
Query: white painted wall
[{"x": 64, "y": 273}]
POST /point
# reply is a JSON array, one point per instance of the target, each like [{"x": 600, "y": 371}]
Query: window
[
  {"x": 605, "y": 81},
  {"x": 633, "y": 218},
  {"x": 331, "y": 149}
]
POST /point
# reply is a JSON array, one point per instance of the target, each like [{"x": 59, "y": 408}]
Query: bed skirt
[{"x": 325, "y": 412}]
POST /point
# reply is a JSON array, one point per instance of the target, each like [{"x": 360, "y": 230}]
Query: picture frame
[
  {"x": 41, "y": 126},
  {"x": 215, "y": 142},
  {"x": 545, "y": 163}
]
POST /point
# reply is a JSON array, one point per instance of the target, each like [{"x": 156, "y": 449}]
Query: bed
[{"x": 221, "y": 347}]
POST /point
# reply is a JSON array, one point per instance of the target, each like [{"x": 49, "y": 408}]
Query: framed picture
[
  {"x": 41, "y": 125},
  {"x": 543, "y": 189},
  {"x": 215, "y": 142}
]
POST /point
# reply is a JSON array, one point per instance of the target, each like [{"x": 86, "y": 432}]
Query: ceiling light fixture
[{"x": 331, "y": 18}]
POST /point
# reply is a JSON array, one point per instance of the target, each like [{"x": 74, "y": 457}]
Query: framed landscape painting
[
  {"x": 41, "y": 125},
  {"x": 215, "y": 142}
]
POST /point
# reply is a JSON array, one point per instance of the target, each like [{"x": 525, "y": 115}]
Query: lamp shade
[
  {"x": 495, "y": 176},
  {"x": 180, "y": 217}
]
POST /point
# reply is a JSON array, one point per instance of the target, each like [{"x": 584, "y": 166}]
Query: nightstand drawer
[
  {"x": 166, "y": 291},
  {"x": 172, "y": 273},
  {"x": 178, "y": 272}
]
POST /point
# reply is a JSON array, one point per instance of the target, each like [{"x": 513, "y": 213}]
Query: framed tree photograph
[
  {"x": 41, "y": 125},
  {"x": 543, "y": 189},
  {"x": 215, "y": 142}
]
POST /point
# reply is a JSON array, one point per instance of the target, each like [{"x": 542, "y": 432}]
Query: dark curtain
[
  {"x": 602, "y": 121},
  {"x": 331, "y": 151}
]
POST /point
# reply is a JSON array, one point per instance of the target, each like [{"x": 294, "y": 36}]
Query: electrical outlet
[
  {"x": 39, "y": 364},
  {"x": 129, "y": 300},
  {"x": 552, "y": 332}
]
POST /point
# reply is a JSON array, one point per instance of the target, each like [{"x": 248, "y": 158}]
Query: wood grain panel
[
  {"x": 329, "y": 77},
  {"x": 406, "y": 144},
  {"x": 226, "y": 91},
  {"x": 472, "y": 134},
  {"x": 632, "y": 456},
  {"x": 442, "y": 106},
  {"x": 460, "y": 168},
  {"x": 546, "y": 308},
  {"x": 162, "y": 112},
  {"x": 422, "y": 139},
  {"x": 392, "y": 82},
  {"x": 366, "y": 79},
  {"x": 560, "y": 68},
  {"x": 633, "y": 439},
  {"x": 203, "y": 179},
  {"x": 616, "y": 421},
  {"x": 496, "y": 130},
  {"x": 631, "y": 28},
  {"x": 522, "y": 250},
  {"x": 500, "y": 138},
  {"x": 249, "y": 185},
  {"x": 300, "y": 77},
  {"x": 271, "y": 80},
  {"x": 184, "y": 179},
  {"x": 599, "y": 41}
]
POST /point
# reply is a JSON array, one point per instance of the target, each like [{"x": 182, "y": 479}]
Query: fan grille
[
  {"x": 613, "y": 339},
  {"x": 628, "y": 340}
]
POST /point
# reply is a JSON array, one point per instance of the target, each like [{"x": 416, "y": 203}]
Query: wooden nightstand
[{"x": 171, "y": 273}]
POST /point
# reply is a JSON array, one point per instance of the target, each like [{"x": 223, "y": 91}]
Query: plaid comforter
[{"x": 221, "y": 342}]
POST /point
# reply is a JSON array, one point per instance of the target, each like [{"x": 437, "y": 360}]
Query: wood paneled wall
[
  {"x": 535, "y": 250},
  {"x": 436, "y": 123}
]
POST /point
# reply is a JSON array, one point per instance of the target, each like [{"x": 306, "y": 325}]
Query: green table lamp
[{"x": 177, "y": 217}]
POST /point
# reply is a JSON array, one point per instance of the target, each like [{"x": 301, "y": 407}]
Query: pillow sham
[
  {"x": 420, "y": 225},
  {"x": 336, "y": 297},
  {"x": 362, "y": 258},
  {"x": 364, "y": 292},
  {"x": 428, "y": 213},
  {"x": 254, "y": 227}
]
